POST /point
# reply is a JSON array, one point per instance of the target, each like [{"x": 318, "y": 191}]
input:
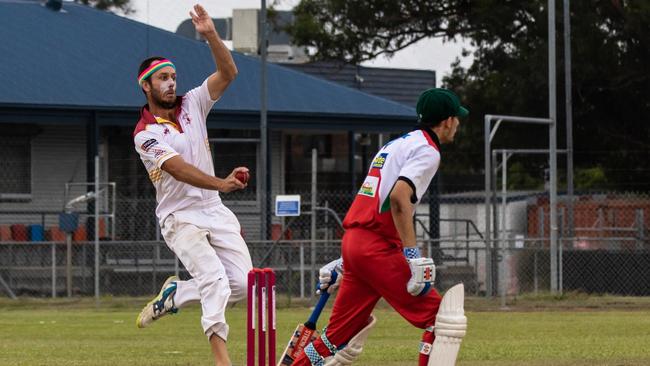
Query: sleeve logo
[
  {"x": 379, "y": 160},
  {"x": 149, "y": 143},
  {"x": 158, "y": 152},
  {"x": 369, "y": 186}
]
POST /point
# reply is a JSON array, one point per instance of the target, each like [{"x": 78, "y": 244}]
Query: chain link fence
[{"x": 48, "y": 236}]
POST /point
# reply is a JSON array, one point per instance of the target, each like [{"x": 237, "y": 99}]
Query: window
[{"x": 15, "y": 167}]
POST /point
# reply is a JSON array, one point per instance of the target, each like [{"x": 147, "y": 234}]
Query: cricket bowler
[{"x": 171, "y": 138}]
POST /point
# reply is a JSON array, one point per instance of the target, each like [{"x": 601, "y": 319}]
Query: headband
[{"x": 155, "y": 66}]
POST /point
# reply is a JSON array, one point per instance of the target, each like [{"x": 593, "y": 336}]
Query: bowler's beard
[{"x": 158, "y": 100}]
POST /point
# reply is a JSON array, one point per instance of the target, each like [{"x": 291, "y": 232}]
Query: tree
[
  {"x": 123, "y": 5},
  {"x": 610, "y": 48},
  {"x": 509, "y": 74},
  {"x": 356, "y": 31}
]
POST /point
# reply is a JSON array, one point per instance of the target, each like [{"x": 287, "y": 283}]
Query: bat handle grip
[
  {"x": 333, "y": 278},
  {"x": 313, "y": 318}
]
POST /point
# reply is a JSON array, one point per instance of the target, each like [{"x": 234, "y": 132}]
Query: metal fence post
[
  {"x": 302, "y": 269},
  {"x": 68, "y": 263},
  {"x": 154, "y": 266},
  {"x": 560, "y": 250},
  {"x": 640, "y": 230},
  {"x": 535, "y": 278},
  {"x": 53, "y": 270},
  {"x": 502, "y": 224},
  {"x": 314, "y": 192},
  {"x": 96, "y": 227},
  {"x": 552, "y": 136},
  {"x": 488, "y": 188}
]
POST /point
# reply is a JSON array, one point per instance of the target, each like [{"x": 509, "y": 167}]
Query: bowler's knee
[
  {"x": 238, "y": 286},
  {"x": 216, "y": 282}
]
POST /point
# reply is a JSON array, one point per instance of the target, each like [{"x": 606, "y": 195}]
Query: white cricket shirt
[
  {"x": 157, "y": 140},
  {"x": 414, "y": 158}
]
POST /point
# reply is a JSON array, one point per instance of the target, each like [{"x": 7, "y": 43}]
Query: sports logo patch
[
  {"x": 158, "y": 152},
  {"x": 379, "y": 161},
  {"x": 427, "y": 274},
  {"x": 425, "y": 348},
  {"x": 149, "y": 143},
  {"x": 369, "y": 186}
]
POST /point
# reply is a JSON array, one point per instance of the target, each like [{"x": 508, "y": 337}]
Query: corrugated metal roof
[
  {"x": 85, "y": 58},
  {"x": 400, "y": 85}
]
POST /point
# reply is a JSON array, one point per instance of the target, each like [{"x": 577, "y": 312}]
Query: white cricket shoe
[{"x": 160, "y": 305}]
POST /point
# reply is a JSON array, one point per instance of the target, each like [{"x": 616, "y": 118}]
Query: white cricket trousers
[{"x": 209, "y": 244}]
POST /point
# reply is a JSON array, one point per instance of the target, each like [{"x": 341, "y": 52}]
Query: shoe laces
[{"x": 166, "y": 302}]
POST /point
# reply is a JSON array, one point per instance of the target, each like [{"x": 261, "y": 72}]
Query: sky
[{"x": 428, "y": 54}]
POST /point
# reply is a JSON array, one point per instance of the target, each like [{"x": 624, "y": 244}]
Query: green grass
[{"x": 605, "y": 331}]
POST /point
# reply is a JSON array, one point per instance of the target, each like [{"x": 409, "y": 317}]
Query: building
[
  {"x": 69, "y": 94},
  {"x": 242, "y": 31}
]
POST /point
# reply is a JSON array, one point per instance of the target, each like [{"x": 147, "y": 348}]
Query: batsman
[{"x": 380, "y": 258}]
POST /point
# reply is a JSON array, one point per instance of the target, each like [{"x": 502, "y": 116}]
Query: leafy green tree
[
  {"x": 355, "y": 31},
  {"x": 509, "y": 73},
  {"x": 520, "y": 179},
  {"x": 590, "y": 178},
  {"x": 610, "y": 51}
]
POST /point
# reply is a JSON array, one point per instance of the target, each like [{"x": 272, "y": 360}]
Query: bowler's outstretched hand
[{"x": 202, "y": 21}]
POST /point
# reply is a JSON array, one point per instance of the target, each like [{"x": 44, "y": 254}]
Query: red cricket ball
[{"x": 242, "y": 177}]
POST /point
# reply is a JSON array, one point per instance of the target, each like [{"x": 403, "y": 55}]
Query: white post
[
  {"x": 502, "y": 264},
  {"x": 327, "y": 221},
  {"x": 488, "y": 208},
  {"x": 264, "y": 176},
  {"x": 552, "y": 111},
  {"x": 569, "y": 116},
  {"x": 68, "y": 264},
  {"x": 96, "y": 227},
  {"x": 314, "y": 192},
  {"x": 639, "y": 228},
  {"x": 302, "y": 270},
  {"x": 54, "y": 268}
]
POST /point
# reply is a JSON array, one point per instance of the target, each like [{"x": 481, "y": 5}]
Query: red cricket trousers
[{"x": 373, "y": 268}]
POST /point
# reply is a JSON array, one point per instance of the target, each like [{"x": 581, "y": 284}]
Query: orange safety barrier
[{"x": 5, "y": 233}]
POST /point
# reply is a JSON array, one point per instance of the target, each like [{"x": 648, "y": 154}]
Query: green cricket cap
[{"x": 437, "y": 104}]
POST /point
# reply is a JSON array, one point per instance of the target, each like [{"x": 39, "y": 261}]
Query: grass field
[{"x": 574, "y": 330}]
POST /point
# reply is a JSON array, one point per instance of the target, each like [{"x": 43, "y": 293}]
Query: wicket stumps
[{"x": 261, "y": 291}]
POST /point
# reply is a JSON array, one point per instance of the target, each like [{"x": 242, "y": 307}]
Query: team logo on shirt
[
  {"x": 369, "y": 186},
  {"x": 379, "y": 161},
  {"x": 149, "y": 143},
  {"x": 158, "y": 152}
]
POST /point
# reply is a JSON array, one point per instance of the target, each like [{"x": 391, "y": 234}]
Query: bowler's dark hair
[{"x": 146, "y": 63}]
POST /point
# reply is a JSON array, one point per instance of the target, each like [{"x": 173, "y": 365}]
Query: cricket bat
[{"x": 305, "y": 333}]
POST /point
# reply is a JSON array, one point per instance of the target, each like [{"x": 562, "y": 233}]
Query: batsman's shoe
[{"x": 160, "y": 305}]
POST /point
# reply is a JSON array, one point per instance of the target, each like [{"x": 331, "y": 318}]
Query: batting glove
[
  {"x": 423, "y": 272},
  {"x": 325, "y": 276}
]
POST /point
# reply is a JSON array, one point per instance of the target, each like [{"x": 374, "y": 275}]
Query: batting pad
[
  {"x": 450, "y": 328},
  {"x": 352, "y": 350}
]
